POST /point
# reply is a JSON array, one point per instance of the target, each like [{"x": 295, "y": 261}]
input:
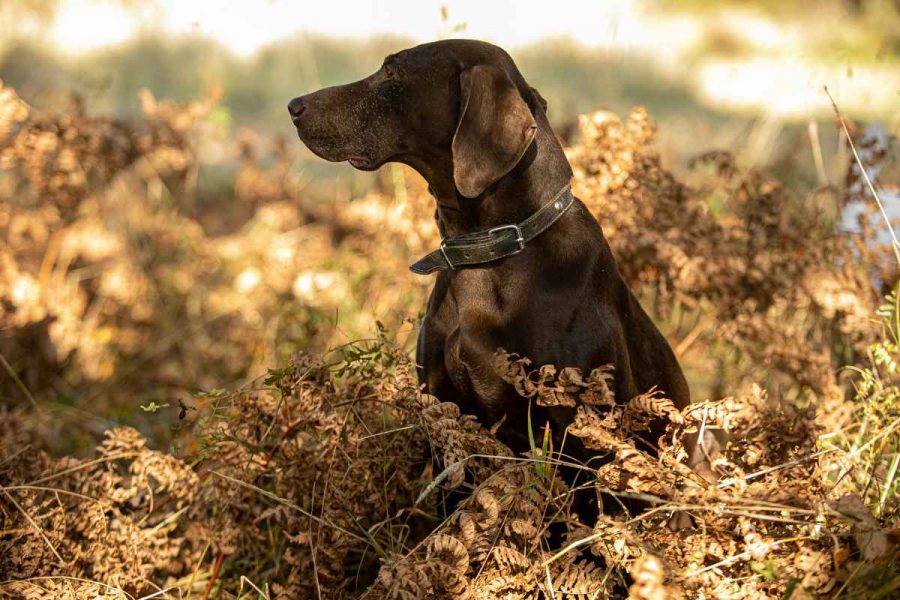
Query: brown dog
[{"x": 523, "y": 266}]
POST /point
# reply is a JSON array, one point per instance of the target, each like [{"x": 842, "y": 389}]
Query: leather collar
[{"x": 488, "y": 245}]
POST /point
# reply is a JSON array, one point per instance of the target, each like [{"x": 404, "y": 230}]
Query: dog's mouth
[
  {"x": 333, "y": 149},
  {"x": 363, "y": 163}
]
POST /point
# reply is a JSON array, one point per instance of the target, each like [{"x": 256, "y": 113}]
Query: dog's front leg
[
  {"x": 476, "y": 352},
  {"x": 702, "y": 450}
]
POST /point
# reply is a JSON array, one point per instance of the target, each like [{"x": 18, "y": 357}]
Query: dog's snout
[{"x": 296, "y": 108}]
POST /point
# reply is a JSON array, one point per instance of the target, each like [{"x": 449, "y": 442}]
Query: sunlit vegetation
[{"x": 257, "y": 333}]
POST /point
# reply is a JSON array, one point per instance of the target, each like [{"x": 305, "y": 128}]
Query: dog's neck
[{"x": 541, "y": 173}]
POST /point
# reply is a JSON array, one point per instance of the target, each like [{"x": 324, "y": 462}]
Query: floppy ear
[
  {"x": 494, "y": 130},
  {"x": 539, "y": 98}
]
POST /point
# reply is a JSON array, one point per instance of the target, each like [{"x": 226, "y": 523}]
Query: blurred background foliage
[{"x": 737, "y": 65}]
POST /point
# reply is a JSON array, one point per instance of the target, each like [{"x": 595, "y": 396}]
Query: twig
[
  {"x": 888, "y": 483},
  {"x": 590, "y": 538},
  {"x": 47, "y": 489},
  {"x": 397, "y": 430},
  {"x": 214, "y": 576},
  {"x": 190, "y": 582},
  {"x": 313, "y": 549},
  {"x": 9, "y": 370},
  {"x": 246, "y": 580},
  {"x": 549, "y": 582},
  {"x": 36, "y": 527},
  {"x": 813, "y": 130},
  {"x": 156, "y": 594},
  {"x": 865, "y": 175},
  {"x": 738, "y": 557},
  {"x": 289, "y": 504},
  {"x": 83, "y": 466},
  {"x": 786, "y": 465},
  {"x": 32, "y": 580},
  {"x": 572, "y": 546}
]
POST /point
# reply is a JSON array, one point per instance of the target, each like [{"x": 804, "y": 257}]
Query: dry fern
[{"x": 333, "y": 475}]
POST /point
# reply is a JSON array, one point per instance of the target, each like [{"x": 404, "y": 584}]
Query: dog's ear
[
  {"x": 494, "y": 130},
  {"x": 539, "y": 98}
]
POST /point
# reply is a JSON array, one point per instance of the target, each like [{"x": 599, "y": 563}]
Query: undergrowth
[
  {"x": 333, "y": 475},
  {"x": 331, "y": 480}
]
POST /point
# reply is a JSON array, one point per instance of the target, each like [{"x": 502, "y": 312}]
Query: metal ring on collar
[{"x": 444, "y": 252}]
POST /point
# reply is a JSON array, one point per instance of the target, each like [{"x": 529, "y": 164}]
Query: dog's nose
[{"x": 296, "y": 108}]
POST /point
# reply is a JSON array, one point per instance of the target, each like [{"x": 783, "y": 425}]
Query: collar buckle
[
  {"x": 488, "y": 245},
  {"x": 520, "y": 239}
]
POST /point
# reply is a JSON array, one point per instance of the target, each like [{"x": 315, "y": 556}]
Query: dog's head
[{"x": 459, "y": 106}]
